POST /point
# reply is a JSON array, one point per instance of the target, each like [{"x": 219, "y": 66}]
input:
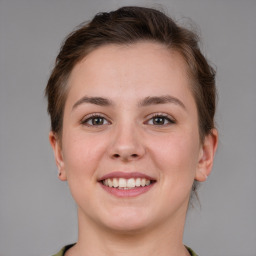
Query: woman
[{"x": 132, "y": 103}]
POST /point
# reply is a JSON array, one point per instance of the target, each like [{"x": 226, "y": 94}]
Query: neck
[{"x": 165, "y": 240}]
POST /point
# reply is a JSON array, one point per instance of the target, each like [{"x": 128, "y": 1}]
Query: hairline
[{"x": 174, "y": 48}]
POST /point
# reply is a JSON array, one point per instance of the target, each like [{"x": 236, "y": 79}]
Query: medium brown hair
[{"x": 129, "y": 25}]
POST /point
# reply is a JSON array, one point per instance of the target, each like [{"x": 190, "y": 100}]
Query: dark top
[{"x": 64, "y": 249}]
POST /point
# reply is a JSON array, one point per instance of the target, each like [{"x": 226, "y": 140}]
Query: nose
[{"x": 127, "y": 144}]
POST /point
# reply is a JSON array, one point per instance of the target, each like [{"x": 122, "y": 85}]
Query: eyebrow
[
  {"x": 148, "y": 101},
  {"x": 93, "y": 100},
  {"x": 161, "y": 100}
]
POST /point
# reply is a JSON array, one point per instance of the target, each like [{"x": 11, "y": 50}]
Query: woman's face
[{"x": 130, "y": 146}]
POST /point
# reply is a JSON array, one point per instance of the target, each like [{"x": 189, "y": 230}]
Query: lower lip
[{"x": 133, "y": 192}]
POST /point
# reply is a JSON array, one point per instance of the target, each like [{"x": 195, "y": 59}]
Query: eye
[
  {"x": 160, "y": 120},
  {"x": 95, "y": 120}
]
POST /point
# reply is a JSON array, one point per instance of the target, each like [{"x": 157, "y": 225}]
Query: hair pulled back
[{"x": 129, "y": 25}]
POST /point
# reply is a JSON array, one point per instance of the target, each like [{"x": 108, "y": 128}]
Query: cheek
[
  {"x": 82, "y": 153},
  {"x": 177, "y": 153}
]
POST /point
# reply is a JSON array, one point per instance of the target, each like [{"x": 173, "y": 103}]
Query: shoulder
[
  {"x": 192, "y": 253},
  {"x": 63, "y": 250}
]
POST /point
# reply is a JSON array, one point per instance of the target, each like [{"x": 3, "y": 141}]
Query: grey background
[{"x": 37, "y": 214}]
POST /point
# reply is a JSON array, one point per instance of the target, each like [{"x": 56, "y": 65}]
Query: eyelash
[
  {"x": 166, "y": 118},
  {"x": 91, "y": 117}
]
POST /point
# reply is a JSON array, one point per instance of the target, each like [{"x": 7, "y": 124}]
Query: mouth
[
  {"x": 126, "y": 184},
  {"x": 122, "y": 183}
]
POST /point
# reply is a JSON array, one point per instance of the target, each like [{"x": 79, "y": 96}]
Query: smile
[{"x": 122, "y": 183}]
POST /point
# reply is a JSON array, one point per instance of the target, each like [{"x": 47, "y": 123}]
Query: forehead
[{"x": 143, "y": 67}]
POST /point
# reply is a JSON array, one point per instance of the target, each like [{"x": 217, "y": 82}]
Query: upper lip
[{"x": 125, "y": 175}]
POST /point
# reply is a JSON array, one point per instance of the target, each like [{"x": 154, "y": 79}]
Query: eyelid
[
  {"x": 171, "y": 119},
  {"x": 92, "y": 115}
]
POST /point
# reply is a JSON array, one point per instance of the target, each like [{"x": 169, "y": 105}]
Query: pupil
[
  {"x": 97, "y": 121},
  {"x": 158, "y": 120}
]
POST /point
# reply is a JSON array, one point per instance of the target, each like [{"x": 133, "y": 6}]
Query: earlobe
[
  {"x": 56, "y": 146},
  {"x": 206, "y": 156}
]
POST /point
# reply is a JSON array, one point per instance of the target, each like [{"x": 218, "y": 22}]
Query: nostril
[{"x": 126, "y": 157}]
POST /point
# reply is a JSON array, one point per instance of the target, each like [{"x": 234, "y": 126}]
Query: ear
[
  {"x": 56, "y": 146},
  {"x": 206, "y": 156}
]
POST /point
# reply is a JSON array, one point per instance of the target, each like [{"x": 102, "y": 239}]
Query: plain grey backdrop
[{"x": 37, "y": 213}]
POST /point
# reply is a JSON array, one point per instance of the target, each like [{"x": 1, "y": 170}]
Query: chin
[
  {"x": 127, "y": 228},
  {"x": 128, "y": 222}
]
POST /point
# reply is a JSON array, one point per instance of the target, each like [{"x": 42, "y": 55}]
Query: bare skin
[{"x": 130, "y": 111}]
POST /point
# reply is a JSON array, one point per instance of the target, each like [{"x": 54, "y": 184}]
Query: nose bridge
[{"x": 126, "y": 142}]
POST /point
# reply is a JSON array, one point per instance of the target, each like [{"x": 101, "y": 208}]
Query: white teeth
[
  {"x": 110, "y": 183},
  {"x": 115, "y": 183},
  {"x": 123, "y": 183},
  {"x": 137, "y": 182},
  {"x": 131, "y": 183}
]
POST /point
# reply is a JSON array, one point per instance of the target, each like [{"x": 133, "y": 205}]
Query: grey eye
[
  {"x": 95, "y": 121},
  {"x": 160, "y": 120}
]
